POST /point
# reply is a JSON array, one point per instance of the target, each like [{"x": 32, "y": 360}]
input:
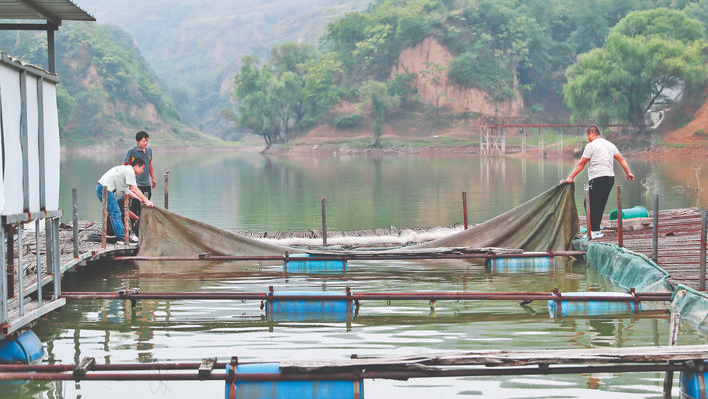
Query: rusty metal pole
[
  {"x": 39, "y": 262},
  {"x": 620, "y": 232},
  {"x": 587, "y": 211},
  {"x": 324, "y": 223},
  {"x": 464, "y": 207},
  {"x": 704, "y": 220},
  {"x": 75, "y": 220},
  {"x": 673, "y": 340},
  {"x": 10, "y": 261},
  {"x": 167, "y": 172},
  {"x": 655, "y": 231},
  {"x": 3, "y": 279},
  {"x": 104, "y": 227},
  {"x": 126, "y": 219}
]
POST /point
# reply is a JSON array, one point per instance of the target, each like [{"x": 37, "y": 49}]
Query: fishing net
[
  {"x": 165, "y": 233},
  {"x": 627, "y": 269},
  {"x": 691, "y": 304},
  {"x": 548, "y": 222}
]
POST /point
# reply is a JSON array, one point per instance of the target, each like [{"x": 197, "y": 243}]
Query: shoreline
[{"x": 324, "y": 148}]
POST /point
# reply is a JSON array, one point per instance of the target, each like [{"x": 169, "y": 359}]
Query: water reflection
[
  {"x": 248, "y": 191},
  {"x": 258, "y": 193}
]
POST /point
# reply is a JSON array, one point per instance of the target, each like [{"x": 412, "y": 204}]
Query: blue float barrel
[
  {"x": 593, "y": 307},
  {"x": 631, "y": 213},
  {"x": 308, "y": 310},
  {"x": 690, "y": 384},
  {"x": 303, "y": 263},
  {"x": 289, "y": 389},
  {"x": 26, "y": 348},
  {"x": 536, "y": 264}
]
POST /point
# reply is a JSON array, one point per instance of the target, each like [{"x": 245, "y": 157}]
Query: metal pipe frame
[
  {"x": 348, "y": 257},
  {"x": 348, "y": 295},
  {"x": 3, "y": 280},
  {"x": 355, "y": 375}
]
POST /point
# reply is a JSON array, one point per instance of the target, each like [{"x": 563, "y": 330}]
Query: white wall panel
[
  {"x": 32, "y": 142},
  {"x": 11, "y": 112},
  {"x": 52, "y": 150}
]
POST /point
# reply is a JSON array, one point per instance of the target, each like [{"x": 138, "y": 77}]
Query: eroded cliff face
[{"x": 457, "y": 99}]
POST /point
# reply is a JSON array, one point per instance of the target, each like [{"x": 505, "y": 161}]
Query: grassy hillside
[
  {"x": 195, "y": 47},
  {"x": 107, "y": 90}
]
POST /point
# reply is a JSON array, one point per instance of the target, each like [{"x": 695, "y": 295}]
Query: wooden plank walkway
[
  {"x": 88, "y": 251},
  {"x": 679, "y": 243},
  {"x": 506, "y": 358}
]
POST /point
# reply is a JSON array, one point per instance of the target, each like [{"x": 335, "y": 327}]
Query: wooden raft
[{"x": 507, "y": 358}]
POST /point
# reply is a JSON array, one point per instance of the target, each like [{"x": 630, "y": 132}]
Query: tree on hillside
[
  {"x": 273, "y": 98},
  {"x": 435, "y": 73},
  {"x": 646, "y": 54},
  {"x": 376, "y": 95},
  {"x": 322, "y": 83},
  {"x": 257, "y": 110}
]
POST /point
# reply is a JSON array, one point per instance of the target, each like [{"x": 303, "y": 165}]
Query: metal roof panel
[{"x": 50, "y": 10}]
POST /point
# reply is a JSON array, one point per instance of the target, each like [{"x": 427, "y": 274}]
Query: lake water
[{"x": 248, "y": 191}]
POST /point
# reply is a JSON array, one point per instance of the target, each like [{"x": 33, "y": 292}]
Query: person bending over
[{"x": 120, "y": 181}]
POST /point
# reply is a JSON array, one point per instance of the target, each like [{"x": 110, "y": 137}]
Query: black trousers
[
  {"x": 600, "y": 188},
  {"x": 135, "y": 206}
]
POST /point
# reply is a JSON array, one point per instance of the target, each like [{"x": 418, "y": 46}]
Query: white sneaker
[
  {"x": 596, "y": 234},
  {"x": 133, "y": 238}
]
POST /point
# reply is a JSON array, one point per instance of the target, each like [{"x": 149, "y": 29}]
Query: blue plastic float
[
  {"x": 689, "y": 384},
  {"x": 303, "y": 263},
  {"x": 537, "y": 264},
  {"x": 300, "y": 310},
  {"x": 593, "y": 308},
  {"x": 289, "y": 389},
  {"x": 26, "y": 348}
]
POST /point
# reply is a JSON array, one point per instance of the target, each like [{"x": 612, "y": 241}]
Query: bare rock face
[{"x": 457, "y": 98}]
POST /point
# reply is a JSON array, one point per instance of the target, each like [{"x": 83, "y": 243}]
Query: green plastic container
[{"x": 631, "y": 213}]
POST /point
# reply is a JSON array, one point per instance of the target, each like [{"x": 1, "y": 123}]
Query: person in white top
[
  {"x": 600, "y": 154},
  {"x": 119, "y": 181}
]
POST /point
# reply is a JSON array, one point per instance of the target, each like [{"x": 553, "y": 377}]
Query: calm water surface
[{"x": 251, "y": 192}]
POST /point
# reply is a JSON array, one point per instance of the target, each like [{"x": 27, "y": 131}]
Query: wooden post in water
[
  {"x": 704, "y": 221},
  {"x": 104, "y": 228},
  {"x": 464, "y": 207},
  {"x": 620, "y": 233},
  {"x": 324, "y": 223},
  {"x": 126, "y": 219},
  {"x": 75, "y": 221},
  {"x": 655, "y": 231},
  {"x": 167, "y": 172}
]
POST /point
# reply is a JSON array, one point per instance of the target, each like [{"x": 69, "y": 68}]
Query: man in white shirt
[
  {"x": 119, "y": 181},
  {"x": 600, "y": 154}
]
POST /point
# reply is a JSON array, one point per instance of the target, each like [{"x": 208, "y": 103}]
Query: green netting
[
  {"x": 691, "y": 304},
  {"x": 547, "y": 222},
  {"x": 627, "y": 269}
]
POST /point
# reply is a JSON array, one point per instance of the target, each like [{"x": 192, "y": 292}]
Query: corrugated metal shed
[{"x": 53, "y": 11}]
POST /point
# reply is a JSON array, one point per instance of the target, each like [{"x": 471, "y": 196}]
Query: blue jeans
[{"x": 113, "y": 211}]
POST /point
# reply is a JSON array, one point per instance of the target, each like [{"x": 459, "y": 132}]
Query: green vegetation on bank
[
  {"x": 606, "y": 61},
  {"x": 630, "y": 55},
  {"x": 107, "y": 90}
]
